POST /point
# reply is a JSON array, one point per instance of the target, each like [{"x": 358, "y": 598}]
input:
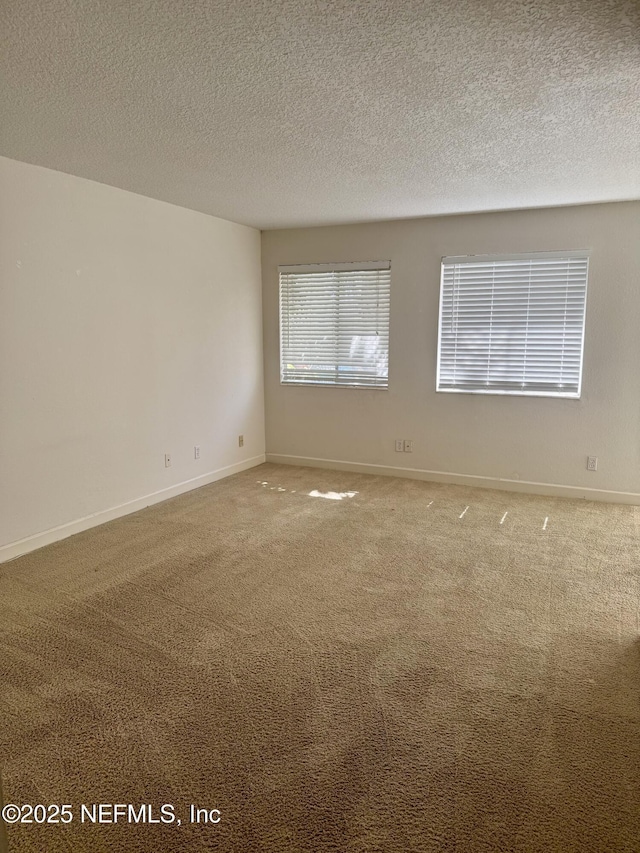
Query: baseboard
[
  {"x": 528, "y": 487},
  {"x": 38, "y": 540}
]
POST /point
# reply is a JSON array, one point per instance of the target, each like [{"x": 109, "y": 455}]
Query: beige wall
[
  {"x": 464, "y": 437},
  {"x": 129, "y": 328}
]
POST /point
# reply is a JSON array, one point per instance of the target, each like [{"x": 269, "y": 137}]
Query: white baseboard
[
  {"x": 528, "y": 487},
  {"x": 38, "y": 540}
]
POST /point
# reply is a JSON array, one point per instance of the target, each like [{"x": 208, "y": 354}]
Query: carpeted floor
[{"x": 369, "y": 667}]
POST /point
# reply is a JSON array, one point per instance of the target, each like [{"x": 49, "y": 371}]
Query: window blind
[
  {"x": 513, "y": 324},
  {"x": 334, "y": 324}
]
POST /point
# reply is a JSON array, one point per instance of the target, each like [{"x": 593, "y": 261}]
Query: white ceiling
[{"x": 303, "y": 112}]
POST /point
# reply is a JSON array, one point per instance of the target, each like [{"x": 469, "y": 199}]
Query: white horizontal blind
[
  {"x": 334, "y": 324},
  {"x": 513, "y": 324}
]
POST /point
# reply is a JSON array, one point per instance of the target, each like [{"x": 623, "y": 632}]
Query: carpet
[{"x": 310, "y": 660}]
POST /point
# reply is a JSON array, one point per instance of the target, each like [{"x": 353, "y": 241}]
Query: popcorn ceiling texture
[
  {"x": 289, "y": 112},
  {"x": 368, "y": 675}
]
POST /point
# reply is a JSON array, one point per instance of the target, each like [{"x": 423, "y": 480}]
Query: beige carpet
[{"x": 382, "y": 672}]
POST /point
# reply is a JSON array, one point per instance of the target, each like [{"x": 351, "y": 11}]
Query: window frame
[
  {"x": 583, "y": 254},
  {"x": 343, "y": 266}
]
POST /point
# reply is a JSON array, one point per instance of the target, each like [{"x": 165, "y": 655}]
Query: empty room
[{"x": 319, "y": 426}]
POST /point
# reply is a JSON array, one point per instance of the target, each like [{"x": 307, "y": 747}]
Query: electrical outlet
[
  {"x": 592, "y": 463},
  {"x": 167, "y": 460},
  {"x": 408, "y": 446},
  {"x": 240, "y": 441},
  {"x": 399, "y": 445},
  {"x": 196, "y": 451}
]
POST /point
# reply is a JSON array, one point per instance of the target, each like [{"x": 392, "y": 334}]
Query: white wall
[
  {"x": 128, "y": 328},
  {"x": 463, "y": 437}
]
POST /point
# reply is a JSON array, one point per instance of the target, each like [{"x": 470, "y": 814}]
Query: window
[
  {"x": 334, "y": 324},
  {"x": 512, "y": 324}
]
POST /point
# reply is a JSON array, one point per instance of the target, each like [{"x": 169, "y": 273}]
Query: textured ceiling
[{"x": 302, "y": 112}]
